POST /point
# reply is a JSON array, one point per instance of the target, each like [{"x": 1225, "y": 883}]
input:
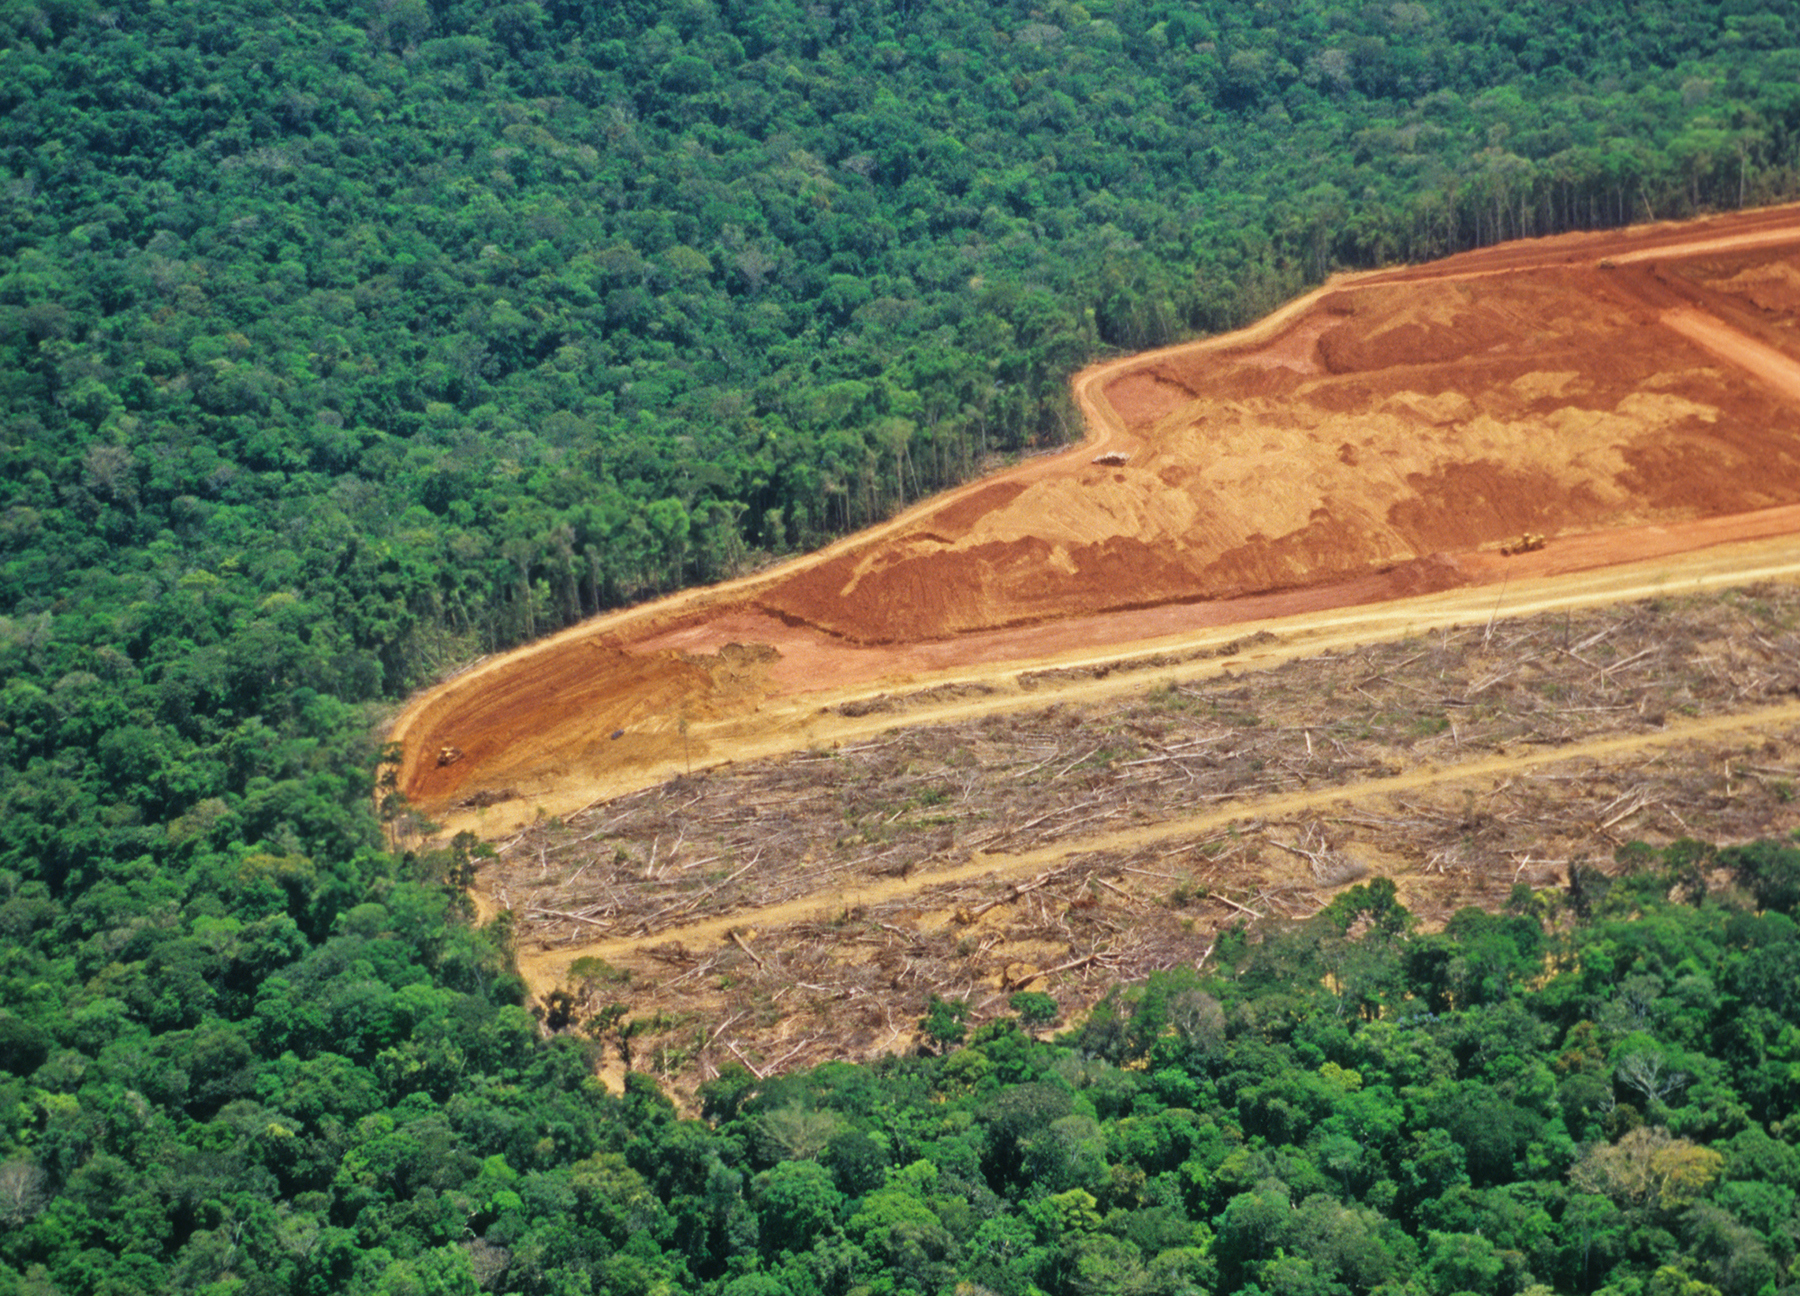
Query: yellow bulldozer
[{"x": 1530, "y": 542}]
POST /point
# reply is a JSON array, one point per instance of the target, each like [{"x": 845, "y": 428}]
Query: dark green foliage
[
  {"x": 858, "y": 1163},
  {"x": 1771, "y": 871},
  {"x": 1170, "y": 1016},
  {"x": 340, "y": 342},
  {"x": 945, "y": 1021},
  {"x": 357, "y": 1126}
]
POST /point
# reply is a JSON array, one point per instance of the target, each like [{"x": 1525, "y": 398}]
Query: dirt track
[{"x": 1344, "y": 469}]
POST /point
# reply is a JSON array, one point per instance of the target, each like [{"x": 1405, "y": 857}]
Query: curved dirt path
[{"x": 584, "y": 676}]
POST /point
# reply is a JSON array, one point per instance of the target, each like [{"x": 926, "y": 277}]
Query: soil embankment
[{"x": 1622, "y": 394}]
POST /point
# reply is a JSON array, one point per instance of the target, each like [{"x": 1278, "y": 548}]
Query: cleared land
[
  {"x": 1079, "y": 792},
  {"x": 1383, "y": 437},
  {"x": 781, "y": 911}
]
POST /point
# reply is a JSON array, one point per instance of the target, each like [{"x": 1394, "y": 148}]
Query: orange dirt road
[{"x": 1344, "y": 469}]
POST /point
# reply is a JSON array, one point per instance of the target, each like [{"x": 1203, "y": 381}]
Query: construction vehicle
[{"x": 1530, "y": 542}]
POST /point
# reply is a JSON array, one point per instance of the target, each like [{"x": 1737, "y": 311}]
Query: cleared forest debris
[
  {"x": 831, "y": 975},
  {"x": 738, "y": 940},
  {"x": 883, "y": 703},
  {"x": 1032, "y": 679},
  {"x": 1330, "y": 868}
]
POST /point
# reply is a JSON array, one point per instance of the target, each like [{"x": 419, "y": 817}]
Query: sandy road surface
[
  {"x": 1778, "y": 371},
  {"x": 535, "y": 725}
]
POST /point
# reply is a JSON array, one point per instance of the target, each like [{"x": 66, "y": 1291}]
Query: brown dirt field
[
  {"x": 777, "y": 912},
  {"x": 1631, "y": 395}
]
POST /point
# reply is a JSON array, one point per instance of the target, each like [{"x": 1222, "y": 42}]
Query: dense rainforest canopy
[
  {"x": 461, "y": 320},
  {"x": 342, "y": 341},
  {"x": 1591, "y": 1092}
]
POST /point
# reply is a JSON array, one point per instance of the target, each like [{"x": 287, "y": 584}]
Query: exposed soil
[
  {"x": 1625, "y": 394},
  {"x": 781, "y": 911},
  {"x": 1007, "y": 739},
  {"x": 1452, "y": 704}
]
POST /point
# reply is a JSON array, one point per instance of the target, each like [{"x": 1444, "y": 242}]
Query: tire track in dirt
[
  {"x": 1779, "y": 372},
  {"x": 545, "y": 970}
]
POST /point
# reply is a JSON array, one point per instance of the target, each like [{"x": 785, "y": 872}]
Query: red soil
[{"x": 1623, "y": 394}]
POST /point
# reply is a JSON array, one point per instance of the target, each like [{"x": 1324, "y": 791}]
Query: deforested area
[
  {"x": 1551, "y": 408},
  {"x": 347, "y": 346},
  {"x": 789, "y": 908}
]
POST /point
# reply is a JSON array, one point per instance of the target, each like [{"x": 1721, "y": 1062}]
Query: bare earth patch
[
  {"x": 782, "y": 911},
  {"x": 1382, "y": 437},
  {"x": 776, "y": 814}
]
